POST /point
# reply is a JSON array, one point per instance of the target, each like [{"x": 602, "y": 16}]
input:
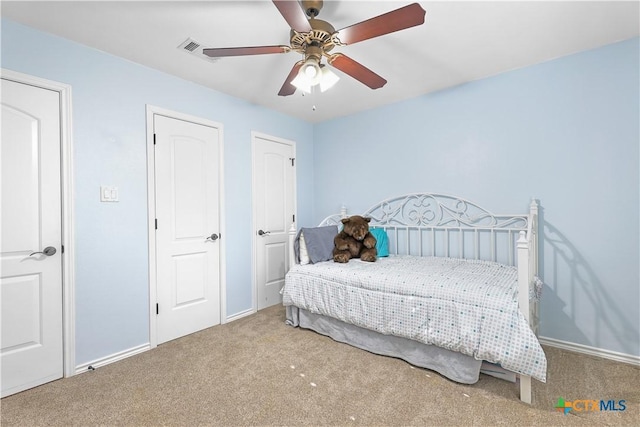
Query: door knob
[
  {"x": 48, "y": 251},
  {"x": 213, "y": 237},
  {"x": 263, "y": 233}
]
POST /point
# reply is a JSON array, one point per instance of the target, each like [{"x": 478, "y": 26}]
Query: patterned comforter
[{"x": 467, "y": 306}]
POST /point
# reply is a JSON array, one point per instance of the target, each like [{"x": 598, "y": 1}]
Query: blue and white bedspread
[{"x": 466, "y": 306}]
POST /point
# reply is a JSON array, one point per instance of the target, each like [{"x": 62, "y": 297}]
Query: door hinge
[
  {"x": 154, "y": 139},
  {"x": 157, "y": 308},
  {"x": 294, "y": 218},
  {"x": 156, "y": 223},
  {"x": 62, "y": 248},
  {"x": 292, "y": 161}
]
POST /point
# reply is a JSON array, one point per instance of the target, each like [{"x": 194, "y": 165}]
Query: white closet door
[
  {"x": 274, "y": 209},
  {"x": 32, "y": 351},
  {"x": 188, "y": 227}
]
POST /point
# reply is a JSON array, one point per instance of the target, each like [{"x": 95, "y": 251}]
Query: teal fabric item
[{"x": 382, "y": 245}]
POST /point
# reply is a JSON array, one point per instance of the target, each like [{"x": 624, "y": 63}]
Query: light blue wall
[
  {"x": 565, "y": 131},
  {"x": 109, "y": 132}
]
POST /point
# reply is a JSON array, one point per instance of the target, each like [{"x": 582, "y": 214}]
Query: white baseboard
[
  {"x": 240, "y": 315},
  {"x": 591, "y": 351},
  {"x": 112, "y": 358},
  {"x": 97, "y": 363}
]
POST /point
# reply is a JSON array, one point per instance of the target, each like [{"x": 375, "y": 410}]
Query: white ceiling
[{"x": 459, "y": 42}]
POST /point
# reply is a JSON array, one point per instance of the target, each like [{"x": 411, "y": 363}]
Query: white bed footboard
[{"x": 425, "y": 224}]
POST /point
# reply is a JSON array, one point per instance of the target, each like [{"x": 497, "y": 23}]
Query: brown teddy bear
[{"x": 355, "y": 241}]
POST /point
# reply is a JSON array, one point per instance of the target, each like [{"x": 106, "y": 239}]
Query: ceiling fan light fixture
[
  {"x": 302, "y": 83},
  {"x": 311, "y": 70},
  {"x": 329, "y": 78},
  {"x": 319, "y": 75}
]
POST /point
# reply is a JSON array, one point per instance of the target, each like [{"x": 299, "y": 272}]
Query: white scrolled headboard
[{"x": 428, "y": 224}]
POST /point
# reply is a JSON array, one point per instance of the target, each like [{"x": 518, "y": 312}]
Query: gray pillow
[{"x": 319, "y": 241}]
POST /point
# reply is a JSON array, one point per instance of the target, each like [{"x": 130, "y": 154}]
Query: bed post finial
[
  {"x": 343, "y": 211},
  {"x": 522, "y": 240},
  {"x": 533, "y": 207}
]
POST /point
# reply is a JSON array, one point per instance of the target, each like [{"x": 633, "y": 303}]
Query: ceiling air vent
[{"x": 193, "y": 47}]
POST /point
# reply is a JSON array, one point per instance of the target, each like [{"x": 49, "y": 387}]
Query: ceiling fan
[{"x": 315, "y": 39}]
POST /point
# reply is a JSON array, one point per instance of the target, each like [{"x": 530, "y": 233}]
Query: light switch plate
[{"x": 108, "y": 193}]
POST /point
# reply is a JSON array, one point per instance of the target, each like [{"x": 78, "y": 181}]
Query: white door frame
[
  {"x": 66, "y": 187},
  {"x": 151, "y": 209},
  {"x": 254, "y": 226}
]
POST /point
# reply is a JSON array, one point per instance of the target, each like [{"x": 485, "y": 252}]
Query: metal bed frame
[{"x": 427, "y": 224}]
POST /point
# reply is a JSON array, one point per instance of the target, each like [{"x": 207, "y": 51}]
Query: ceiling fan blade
[
  {"x": 396, "y": 20},
  {"x": 294, "y": 15},
  {"x": 287, "y": 88},
  {"x": 241, "y": 51},
  {"x": 357, "y": 71}
]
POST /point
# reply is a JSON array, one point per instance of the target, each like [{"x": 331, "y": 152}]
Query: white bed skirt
[{"x": 455, "y": 366}]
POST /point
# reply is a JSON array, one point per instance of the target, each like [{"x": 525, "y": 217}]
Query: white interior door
[
  {"x": 188, "y": 227},
  {"x": 274, "y": 212},
  {"x": 31, "y": 350}
]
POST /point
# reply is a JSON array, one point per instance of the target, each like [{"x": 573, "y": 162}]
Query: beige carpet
[{"x": 258, "y": 371}]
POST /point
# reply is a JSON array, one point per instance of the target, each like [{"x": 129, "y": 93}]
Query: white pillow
[{"x": 304, "y": 255}]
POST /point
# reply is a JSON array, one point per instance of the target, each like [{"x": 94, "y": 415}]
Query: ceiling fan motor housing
[{"x": 320, "y": 35}]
